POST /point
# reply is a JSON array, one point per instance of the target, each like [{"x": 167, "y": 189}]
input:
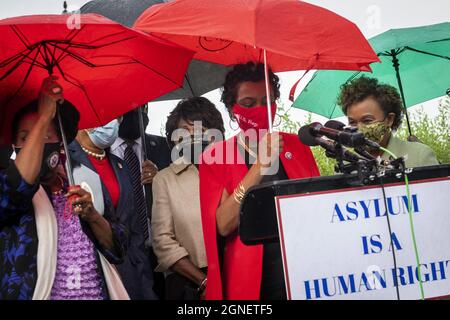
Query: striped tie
[{"x": 132, "y": 161}]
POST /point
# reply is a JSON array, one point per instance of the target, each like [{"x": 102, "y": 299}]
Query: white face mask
[{"x": 104, "y": 137}]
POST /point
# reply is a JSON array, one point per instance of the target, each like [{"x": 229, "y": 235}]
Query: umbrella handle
[{"x": 268, "y": 100}]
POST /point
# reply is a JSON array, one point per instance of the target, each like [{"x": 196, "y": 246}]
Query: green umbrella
[{"x": 414, "y": 60}]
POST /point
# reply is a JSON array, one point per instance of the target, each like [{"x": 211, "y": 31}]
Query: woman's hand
[
  {"x": 149, "y": 170},
  {"x": 82, "y": 204},
  {"x": 269, "y": 149},
  {"x": 50, "y": 95},
  {"x": 29, "y": 159}
]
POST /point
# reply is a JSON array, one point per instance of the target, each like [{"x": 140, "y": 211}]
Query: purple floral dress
[{"x": 78, "y": 275}]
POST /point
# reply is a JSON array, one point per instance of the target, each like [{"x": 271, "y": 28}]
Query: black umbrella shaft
[
  {"x": 142, "y": 131},
  {"x": 68, "y": 164},
  {"x": 396, "y": 65},
  {"x": 147, "y": 188}
]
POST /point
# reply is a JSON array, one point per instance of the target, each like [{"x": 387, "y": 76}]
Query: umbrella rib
[
  {"x": 440, "y": 40},
  {"x": 159, "y": 73},
  {"x": 36, "y": 63},
  {"x": 76, "y": 45},
  {"x": 75, "y": 32},
  {"x": 44, "y": 56},
  {"x": 93, "y": 65},
  {"x": 75, "y": 56},
  {"x": 114, "y": 42},
  {"x": 69, "y": 38},
  {"x": 54, "y": 54},
  {"x": 14, "y": 67},
  {"x": 51, "y": 62},
  {"x": 384, "y": 54},
  {"x": 24, "y": 80},
  {"x": 65, "y": 50},
  {"x": 428, "y": 53},
  {"x": 80, "y": 86},
  {"x": 21, "y": 36},
  {"x": 7, "y": 61},
  {"x": 107, "y": 36},
  {"x": 189, "y": 84}
]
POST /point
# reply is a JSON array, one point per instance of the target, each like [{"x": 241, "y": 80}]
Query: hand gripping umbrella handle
[{"x": 68, "y": 208}]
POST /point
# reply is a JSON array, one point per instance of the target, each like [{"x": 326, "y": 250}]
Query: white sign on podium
[{"x": 336, "y": 244}]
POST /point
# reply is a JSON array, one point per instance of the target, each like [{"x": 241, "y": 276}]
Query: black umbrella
[{"x": 201, "y": 76}]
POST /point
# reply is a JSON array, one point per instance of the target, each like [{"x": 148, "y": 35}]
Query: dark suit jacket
[
  {"x": 158, "y": 152},
  {"x": 135, "y": 271}
]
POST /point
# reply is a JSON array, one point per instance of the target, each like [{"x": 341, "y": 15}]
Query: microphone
[
  {"x": 330, "y": 146},
  {"x": 316, "y": 129},
  {"x": 337, "y": 125}
]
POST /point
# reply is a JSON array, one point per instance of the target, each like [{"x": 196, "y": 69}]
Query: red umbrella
[
  {"x": 294, "y": 33},
  {"x": 106, "y": 69},
  {"x": 291, "y": 34}
]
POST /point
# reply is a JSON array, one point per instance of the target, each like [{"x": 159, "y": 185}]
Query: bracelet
[
  {"x": 239, "y": 193},
  {"x": 202, "y": 286}
]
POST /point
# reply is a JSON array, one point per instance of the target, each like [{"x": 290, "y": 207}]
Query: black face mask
[
  {"x": 129, "y": 128},
  {"x": 50, "y": 158},
  {"x": 193, "y": 147}
]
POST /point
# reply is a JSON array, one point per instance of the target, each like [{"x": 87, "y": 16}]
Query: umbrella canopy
[
  {"x": 201, "y": 76},
  {"x": 106, "y": 69},
  {"x": 421, "y": 55},
  {"x": 296, "y": 35}
]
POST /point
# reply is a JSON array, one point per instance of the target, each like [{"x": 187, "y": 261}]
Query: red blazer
[{"x": 240, "y": 276}]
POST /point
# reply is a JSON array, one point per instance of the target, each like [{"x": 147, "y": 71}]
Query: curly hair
[
  {"x": 362, "y": 88},
  {"x": 249, "y": 71},
  {"x": 194, "y": 109}
]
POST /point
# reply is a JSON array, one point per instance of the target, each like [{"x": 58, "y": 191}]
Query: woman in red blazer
[{"x": 231, "y": 167}]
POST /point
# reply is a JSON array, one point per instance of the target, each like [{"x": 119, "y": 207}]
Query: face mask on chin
[
  {"x": 50, "y": 159},
  {"x": 104, "y": 137},
  {"x": 129, "y": 127},
  {"x": 253, "y": 118}
]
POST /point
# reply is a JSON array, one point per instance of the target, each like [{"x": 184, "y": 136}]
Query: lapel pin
[{"x": 288, "y": 155}]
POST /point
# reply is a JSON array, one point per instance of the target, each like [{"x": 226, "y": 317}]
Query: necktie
[{"x": 132, "y": 161}]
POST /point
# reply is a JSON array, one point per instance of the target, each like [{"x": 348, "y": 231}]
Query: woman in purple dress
[{"x": 52, "y": 247}]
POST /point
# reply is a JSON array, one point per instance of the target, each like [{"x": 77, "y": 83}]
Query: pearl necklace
[{"x": 98, "y": 156}]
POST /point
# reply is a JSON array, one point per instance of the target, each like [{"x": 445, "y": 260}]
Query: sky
[{"x": 371, "y": 16}]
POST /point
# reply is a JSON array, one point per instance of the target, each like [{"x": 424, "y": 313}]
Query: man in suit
[{"x": 128, "y": 147}]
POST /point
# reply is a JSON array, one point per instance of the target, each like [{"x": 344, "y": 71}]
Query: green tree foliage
[
  {"x": 325, "y": 164},
  {"x": 434, "y": 132}
]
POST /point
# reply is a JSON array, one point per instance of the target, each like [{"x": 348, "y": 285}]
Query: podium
[{"x": 325, "y": 242}]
